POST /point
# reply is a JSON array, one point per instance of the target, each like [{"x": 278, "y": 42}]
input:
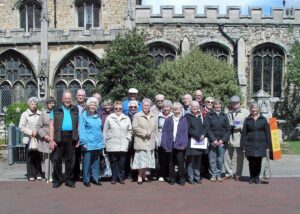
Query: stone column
[
  {"x": 185, "y": 46},
  {"x": 129, "y": 15},
  {"x": 44, "y": 65},
  {"x": 241, "y": 65}
]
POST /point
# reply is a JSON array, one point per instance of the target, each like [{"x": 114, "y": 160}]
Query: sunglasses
[
  {"x": 210, "y": 102},
  {"x": 118, "y": 109},
  {"x": 159, "y": 101},
  {"x": 132, "y": 107}
]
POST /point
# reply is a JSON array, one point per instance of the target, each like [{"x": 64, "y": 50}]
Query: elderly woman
[
  {"x": 218, "y": 132},
  {"x": 196, "y": 132},
  {"x": 256, "y": 139},
  {"x": 117, "y": 135},
  {"x": 144, "y": 127},
  {"x": 132, "y": 106},
  {"x": 174, "y": 141},
  {"x": 43, "y": 130},
  {"x": 27, "y": 125},
  {"x": 91, "y": 141},
  {"x": 208, "y": 106},
  {"x": 105, "y": 110},
  {"x": 163, "y": 156}
]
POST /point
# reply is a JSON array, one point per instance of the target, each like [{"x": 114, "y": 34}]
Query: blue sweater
[{"x": 90, "y": 131}]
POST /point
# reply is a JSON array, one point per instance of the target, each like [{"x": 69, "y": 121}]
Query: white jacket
[{"x": 27, "y": 124}]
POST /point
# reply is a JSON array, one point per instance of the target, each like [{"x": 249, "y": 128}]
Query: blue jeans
[
  {"x": 216, "y": 160},
  {"x": 194, "y": 167},
  {"x": 90, "y": 165}
]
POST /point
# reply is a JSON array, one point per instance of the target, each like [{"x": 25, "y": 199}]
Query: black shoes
[
  {"x": 182, "y": 183},
  {"x": 56, "y": 184},
  {"x": 70, "y": 184},
  {"x": 257, "y": 181},
  {"x": 97, "y": 183},
  {"x": 122, "y": 182},
  {"x": 198, "y": 181},
  {"x": 113, "y": 182},
  {"x": 171, "y": 182},
  {"x": 87, "y": 184},
  {"x": 190, "y": 182}
]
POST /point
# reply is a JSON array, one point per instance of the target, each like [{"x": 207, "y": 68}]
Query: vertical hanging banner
[{"x": 275, "y": 139}]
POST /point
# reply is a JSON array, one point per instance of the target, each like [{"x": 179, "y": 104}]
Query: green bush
[
  {"x": 197, "y": 70},
  {"x": 14, "y": 112}
]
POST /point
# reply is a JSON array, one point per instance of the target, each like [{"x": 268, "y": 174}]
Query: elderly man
[
  {"x": 234, "y": 164},
  {"x": 159, "y": 100},
  {"x": 133, "y": 94},
  {"x": 63, "y": 138},
  {"x": 198, "y": 97},
  {"x": 187, "y": 101}
]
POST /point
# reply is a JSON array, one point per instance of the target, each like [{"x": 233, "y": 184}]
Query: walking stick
[{"x": 48, "y": 167}]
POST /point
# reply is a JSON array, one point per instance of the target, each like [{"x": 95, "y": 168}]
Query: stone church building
[{"x": 47, "y": 46}]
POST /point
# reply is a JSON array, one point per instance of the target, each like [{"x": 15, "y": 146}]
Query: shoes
[
  {"x": 70, "y": 184},
  {"x": 213, "y": 179},
  {"x": 146, "y": 180},
  {"x": 56, "y": 184},
  {"x": 39, "y": 178},
  {"x": 122, "y": 182},
  {"x": 31, "y": 179},
  {"x": 140, "y": 182},
  {"x": 113, "y": 182},
  {"x": 182, "y": 183},
  {"x": 198, "y": 181},
  {"x": 219, "y": 178},
  {"x": 227, "y": 176},
  {"x": 171, "y": 182},
  {"x": 237, "y": 178},
  {"x": 97, "y": 183},
  {"x": 251, "y": 181},
  {"x": 161, "y": 179},
  {"x": 257, "y": 181},
  {"x": 87, "y": 184},
  {"x": 190, "y": 182}
]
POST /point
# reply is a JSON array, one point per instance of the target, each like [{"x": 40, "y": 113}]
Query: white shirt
[{"x": 176, "y": 121}]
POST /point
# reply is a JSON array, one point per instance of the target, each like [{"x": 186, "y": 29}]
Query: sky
[{"x": 244, "y": 4}]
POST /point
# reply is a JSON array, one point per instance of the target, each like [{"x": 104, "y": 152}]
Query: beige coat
[
  {"x": 237, "y": 127},
  {"x": 28, "y": 123},
  {"x": 141, "y": 125},
  {"x": 43, "y": 129},
  {"x": 117, "y": 133}
]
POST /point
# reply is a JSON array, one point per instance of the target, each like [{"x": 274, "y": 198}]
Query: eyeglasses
[
  {"x": 210, "y": 102},
  {"x": 118, "y": 109},
  {"x": 132, "y": 106},
  {"x": 159, "y": 101}
]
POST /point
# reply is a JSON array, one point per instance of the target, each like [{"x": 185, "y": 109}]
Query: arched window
[
  {"x": 30, "y": 15},
  {"x": 88, "y": 13},
  {"x": 15, "y": 71},
  {"x": 161, "y": 52},
  {"x": 75, "y": 70},
  {"x": 267, "y": 68},
  {"x": 216, "y": 50}
]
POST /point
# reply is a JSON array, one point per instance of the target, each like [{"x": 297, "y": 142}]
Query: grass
[{"x": 294, "y": 146}]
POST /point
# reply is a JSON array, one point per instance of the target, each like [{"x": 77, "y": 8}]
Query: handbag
[
  {"x": 267, "y": 171},
  {"x": 33, "y": 144},
  {"x": 105, "y": 170}
]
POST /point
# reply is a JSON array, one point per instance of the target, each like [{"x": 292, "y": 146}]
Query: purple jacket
[{"x": 167, "y": 141}]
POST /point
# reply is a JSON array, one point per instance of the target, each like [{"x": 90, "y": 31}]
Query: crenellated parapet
[
  {"x": 211, "y": 15},
  {"x": 75, "y": 35}
]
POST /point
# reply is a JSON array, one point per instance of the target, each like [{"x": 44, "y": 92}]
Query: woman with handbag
[
  {"x": 256, "y": 140},
  {"x": 43, "y": 130},
  {"x": 27, "y": 125}
]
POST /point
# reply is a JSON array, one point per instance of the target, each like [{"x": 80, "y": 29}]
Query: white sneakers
[{"x": 161, "y": 179}]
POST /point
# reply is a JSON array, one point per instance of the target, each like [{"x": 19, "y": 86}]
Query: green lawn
[{"x": 294, "y": 146}]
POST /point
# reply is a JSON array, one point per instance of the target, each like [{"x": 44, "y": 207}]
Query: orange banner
[{"x": 275, "y": 139}]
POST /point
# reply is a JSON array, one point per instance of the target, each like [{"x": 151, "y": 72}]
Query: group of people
[{"x": 174, "y": 142}]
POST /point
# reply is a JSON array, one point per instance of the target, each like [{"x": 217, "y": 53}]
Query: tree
[
  {"x": 197, "y": 70},
  {"x": 294, "y": 64},
  {"x": 126, "y": 65}
]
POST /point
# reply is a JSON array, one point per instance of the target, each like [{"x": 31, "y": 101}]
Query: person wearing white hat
[
  {"x": 132, "y": 95},
  {"x": 234, "y": 163}
]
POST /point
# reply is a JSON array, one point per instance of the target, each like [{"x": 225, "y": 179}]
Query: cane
[{"x": 48, "y": 167}]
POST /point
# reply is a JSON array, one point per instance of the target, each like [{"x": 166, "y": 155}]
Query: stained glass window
[
  {"x": 216, "y": 50},
  {"x": 161, "y": 52},
  {"x": 267, "y": 68},
  {"x": 75, "y": 70}
]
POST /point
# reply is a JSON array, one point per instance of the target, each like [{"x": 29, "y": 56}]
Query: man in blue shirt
[
  {"x": 132, "y": 95},
  {"x": 63, "y": 139}
]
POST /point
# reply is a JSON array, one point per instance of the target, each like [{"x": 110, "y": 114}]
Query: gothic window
[
  {"x": 216, "y": 50},
  {"x": 161, "y": 52},
  {"x": 30, "y": 15},
  {"x": 75, "y": 70},
  {"x": 88, "y": 13},
  {"x": 15, "y": 74},
  {"x": 267, "y": 68}
]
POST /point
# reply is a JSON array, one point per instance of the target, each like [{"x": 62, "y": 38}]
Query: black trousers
[
  {"x": 129, "y": 159},
  {"x": 205, "y": 166},
  {"x": 254, "y": 166},
  {"x": 77, "y": 163},
  {"x": 117, "y": 164},
  {"x": 64, "y": 150},
  {"x": 164, "y": 161},
  {"x": 177, "y": 156},
  {"x": 34, "y": 163}
]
